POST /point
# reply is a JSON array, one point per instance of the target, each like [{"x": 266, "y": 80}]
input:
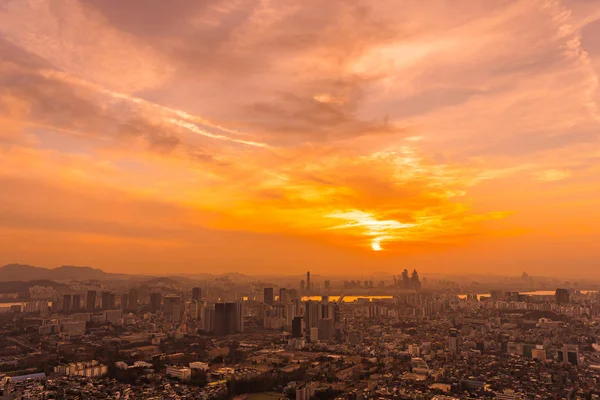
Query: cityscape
[
  {"x": 404, "y": 337},
  {"x": 300, "y": 199}
]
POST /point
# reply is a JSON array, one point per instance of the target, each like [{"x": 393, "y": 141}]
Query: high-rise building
[
  {"x": 453, "y": 341},
  {"x": 302, "y": 285},
  {"x": 231, "y": 311},
  {"x": 355, "y": 337},
  {"x": 297, "y": 327},
  {"x": 240, "y": 316},
  {"x": 326, "y": 329},
  {"x": 173, "y": 307},
  {"x": 306, "y": 391},
  {"x": 283, "y": 298},
  {"x": 208, "y": 319},
  {"x": 570, "y": 354},
  {"x": 562, "y": 296},
  {"x": 133, "y": 299},
  {"x": 312, "y": 314},
  {"x": 194, "y": 310},
  {"x": 91, "y": 300},
  {"x": 155, "y": 302},
  {"x": 220, "y": 319},
  {"x": 76, "y": 303},
  {"x": 108, "y": 301},
  {"x": 104, "y": 300},
  {"x": 308, "y": 287},
  {"x": 197, "y": 294},
  {"x": 124, "y": 302},
  {"x": 314, "y": 335},
  {"x": 337, "y": 315},
  {"x": 327, "y": 285},
  {"x": 268, "y": 296},
  {"x": 66, "y": 303},
  {"x": 177, "y": 312},
  {"x": 226, "y": 318}
]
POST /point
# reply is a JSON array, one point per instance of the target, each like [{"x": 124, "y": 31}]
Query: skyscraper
[
  {"x": 231, "y": 311},
  {"x": 326, "y": 329},
  {"x": 104, "y": 298},
  {"x": 91, "y": 300},
  {"x": 194, "y": 310},
  {"x": 172, "y": 307},
  {"x": 297, "y": 327},
  {"x": 312, "y": 314},
  {"x": 133, "y": 300},
  {"x": 562, "y": 296},
  {"x": 108, "y": 301},
  {"x": 453, "y": 341},
  {"x": 240, "y": 316},
  {"x": 227, "y": 318},
  {"x": 155, "y": 302},
  {"x": 124, "y": 302},
  {"x": 208, "y": 319},
  {"x": 269, "y": 297},
  {"x": 196, "y": 294},
  {"x": 67, "y": 303},
  {"x": 283, "y": 298},
  {"x": 308, "y": 280},
  {"x": 337, "y": 316},
  {"x": 76, "y": 302},
  {"x": 220, "y": 327}
]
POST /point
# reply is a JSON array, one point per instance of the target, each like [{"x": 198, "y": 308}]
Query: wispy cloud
[{"x": 324, "y": 129}]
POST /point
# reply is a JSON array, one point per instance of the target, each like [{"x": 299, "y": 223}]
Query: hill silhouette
[{"x": 21, "y": 272}]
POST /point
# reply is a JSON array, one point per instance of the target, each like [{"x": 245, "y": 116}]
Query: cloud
[
  {"x": 296, "y": 126},
  {"x": 552, "y": 175},
  {"x": 52, "y": 31}
]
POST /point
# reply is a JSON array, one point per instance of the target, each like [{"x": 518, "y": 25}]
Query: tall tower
[
  {"x": 196, "y": 294},
  {"x": 240, "y": 316},
  {"x": 269, "y": 296},
  {"x": 76, "y": 302},
  {"x": 562, "y": 296},
  {"x": 155, "y": 301},
  {"x": 133, "y": 299},
  {"x": 66, "y": 303},
  {"x": 108, "y": 300},
  {"x": 283, "y": 298},
  {"x": 453, "y": 341},
  {"x": 308, "y": 280},
  {"x": 91, "y": 300},
  {"x": 173, "y": 307},
  {"x": 124, "y": 302}
]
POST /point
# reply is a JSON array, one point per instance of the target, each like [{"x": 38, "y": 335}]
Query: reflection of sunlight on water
[
  {"x": 534, "y": 293},
  {"x": 347, "y": 299}
]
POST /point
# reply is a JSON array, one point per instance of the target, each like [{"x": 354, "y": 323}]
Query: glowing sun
[{"x": 375, "y": 245}]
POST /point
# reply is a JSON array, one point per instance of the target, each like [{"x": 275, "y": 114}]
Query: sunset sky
[{"x": 275, "y": 136}]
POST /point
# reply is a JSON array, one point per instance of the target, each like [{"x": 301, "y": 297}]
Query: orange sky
[{"x": 275, "y": 136}]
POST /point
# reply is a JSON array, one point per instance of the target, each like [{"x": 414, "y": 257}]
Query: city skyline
[{"x": 260, "y": 137}]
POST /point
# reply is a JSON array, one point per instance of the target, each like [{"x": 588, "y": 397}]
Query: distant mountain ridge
[{"x": 21, "y": 272}]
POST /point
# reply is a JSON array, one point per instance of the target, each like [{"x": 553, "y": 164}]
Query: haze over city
[
  {"x": 159, "y": 137},
  {"x": 300, "y": 199}
]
